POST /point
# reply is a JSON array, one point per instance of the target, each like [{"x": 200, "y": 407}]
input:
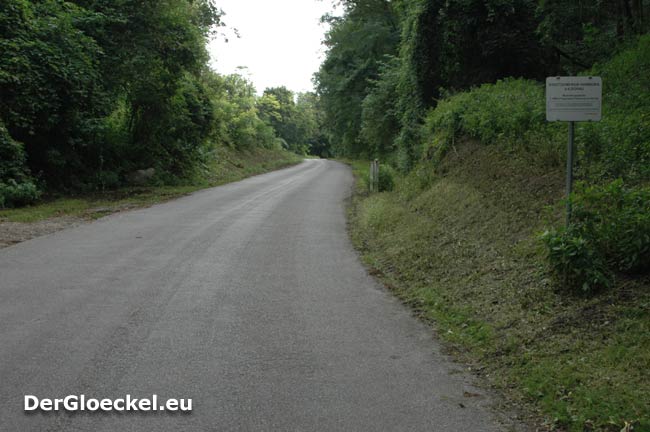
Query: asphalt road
[{"x": 247, "y": 298}]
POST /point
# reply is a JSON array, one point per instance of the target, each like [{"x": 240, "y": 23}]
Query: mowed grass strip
[{"x": 461, "y": 247}]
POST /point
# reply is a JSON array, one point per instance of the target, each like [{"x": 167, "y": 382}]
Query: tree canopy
[
  {"x": 92, "y": 90},
  {"x": 388, "y": 62}
]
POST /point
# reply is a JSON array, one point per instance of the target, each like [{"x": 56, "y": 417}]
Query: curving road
[{"x": 247, "y": 298}]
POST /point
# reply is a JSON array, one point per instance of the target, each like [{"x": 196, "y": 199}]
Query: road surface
[{"x": 247, "y": 298}]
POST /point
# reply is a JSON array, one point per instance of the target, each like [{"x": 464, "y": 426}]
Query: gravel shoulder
[{"x": 17, "y": 232}]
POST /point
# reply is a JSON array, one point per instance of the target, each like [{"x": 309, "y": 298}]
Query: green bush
[
  {"x": 610, "y": 232},
  {"x": 576, "y": 262},
  {"x": 16, "y": 187},
  {"x": 619, "y": 220},
  {"x": 12, "y": 156},
  {"x": 509, "y": 113},
  {"x": 13, "y": 193}
]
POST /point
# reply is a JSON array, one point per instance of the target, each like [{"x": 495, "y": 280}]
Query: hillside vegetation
[
  {"x": 469, "y": 229},
  {"x": 460, "y": 239}
]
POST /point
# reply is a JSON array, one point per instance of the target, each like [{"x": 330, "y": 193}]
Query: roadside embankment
[
  {"x": 473, "y": 237},
  {"x": 462, "y": 247}
]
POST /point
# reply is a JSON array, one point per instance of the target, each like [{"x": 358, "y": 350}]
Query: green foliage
[
  {"x": 49, "y": 81},
  {"x": 310, "y": 122},
  {"x": 610, "y": 232},
  {"x": 390, "y": 62},
  {"x": 618, "y": 217},
  {"x": 239, "y": 120},
  {"x": 583, "y": 33},
  {"x": 16, "y": 186},
  {"x": 357, "y": 47},
  {"x": 509, "y": 113},
  {"x": 387, "y": 63},
  {"x": 17, "y": 194},
  {"x": 379, "y": 116},
  {"x": 463, "y": 43},
  {"x": 619, "y": 145},
  {"x": 96, "y": 89},
  {"x": 296, "y": 119},
  {"x": 12, "y": 156},
  {"x": 455, "y": 45},
  {"x": 279, "y": 110},
  {"x": 461, "y": 249},
  {"x": 576, "y": 262}
]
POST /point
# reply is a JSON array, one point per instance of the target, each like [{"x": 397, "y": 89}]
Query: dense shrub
[
  {"x": 12, "y": 156},
  {"x": 13, "y": 193},
  {"x": 620, "y": 145},
  {"x": 609, "y": 232},
  {"x": 16, "y": 187},
  {"x": 619, "y": 219},
  {"x": 577, "y": 264},
  {"x": 511, "y": 113},
  {"x": 49, "y": 84}
]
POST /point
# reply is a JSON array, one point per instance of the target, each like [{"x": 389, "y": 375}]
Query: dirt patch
[{"x": 16, "y": 232}]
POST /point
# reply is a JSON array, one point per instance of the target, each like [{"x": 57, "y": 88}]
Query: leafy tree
[
  {"x": 582, "y": 33},
  {"x": 96, "y": 88},
  {"x": 237, "y": 121},
  {"x": 380, "y": 117},
  {"x": 282, "y": 116},
  {"x": 308, "y": 120},
  {"x": 357, "y": 44},
  {"x": 16, "y": 186},
  {"x": 153, "y": 48},
  {"x": 456, "y": 45},
  {"x": 49, "y": 82}
]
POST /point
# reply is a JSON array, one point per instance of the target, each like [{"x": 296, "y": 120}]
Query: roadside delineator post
[
  {"x": 376, "y": 175},
  {"x": 373, "y": 184}
]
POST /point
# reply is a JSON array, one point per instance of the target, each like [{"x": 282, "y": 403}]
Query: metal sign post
[
  {"x": 573, "y": 99},
  {"x": 569, "y": 172}
]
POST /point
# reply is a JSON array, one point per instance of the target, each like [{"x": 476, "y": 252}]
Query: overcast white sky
[{"x": 280, "y": 41}]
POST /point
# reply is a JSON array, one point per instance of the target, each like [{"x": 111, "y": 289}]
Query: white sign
[{"x": 574, "y": 98}]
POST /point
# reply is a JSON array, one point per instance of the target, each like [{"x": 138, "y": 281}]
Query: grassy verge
[
  {"x": 228, "y": 166},
  {"x": 462, "y": 248}
]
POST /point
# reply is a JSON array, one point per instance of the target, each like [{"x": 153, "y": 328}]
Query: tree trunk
[{"x": 629, "y": 19}]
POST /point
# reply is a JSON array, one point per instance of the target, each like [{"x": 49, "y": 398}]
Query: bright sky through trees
[{"x": 280, "y": 41}]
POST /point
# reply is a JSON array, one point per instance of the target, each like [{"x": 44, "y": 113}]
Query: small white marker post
[
  {"x": 374, "y": 176},
  {"x": 573, "y": 99}
]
